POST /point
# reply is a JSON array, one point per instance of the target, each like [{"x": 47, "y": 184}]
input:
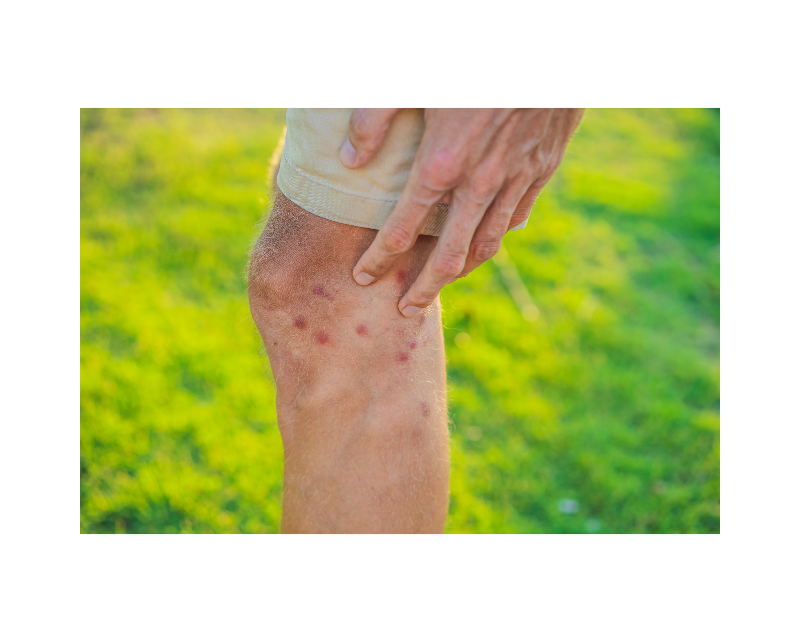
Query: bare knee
[
  {"x": 302, "y": 266},
  {"x": 319, "y": 327}
]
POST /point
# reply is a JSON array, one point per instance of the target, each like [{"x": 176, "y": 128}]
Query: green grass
[{"x": 610, "y": 399}]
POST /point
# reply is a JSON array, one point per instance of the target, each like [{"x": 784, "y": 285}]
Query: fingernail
[
  {"x": 363, "y": 278},
  {"x": 409, "y": 311},
  {"x": 347, "y": 154}
]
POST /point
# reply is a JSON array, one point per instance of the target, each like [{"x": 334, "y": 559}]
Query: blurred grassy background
[{"x": 602, "y": 415}]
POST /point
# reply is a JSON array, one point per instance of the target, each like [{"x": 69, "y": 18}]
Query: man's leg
[{"x": 360, "y": 389}]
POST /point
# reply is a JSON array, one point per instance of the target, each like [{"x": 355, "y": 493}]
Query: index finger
[{"x": 399, "y": 233}]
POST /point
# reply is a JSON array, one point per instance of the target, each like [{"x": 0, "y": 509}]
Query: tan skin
[
  {"x": 489, "y": 164},
  {"x": 360, "y": 387}
]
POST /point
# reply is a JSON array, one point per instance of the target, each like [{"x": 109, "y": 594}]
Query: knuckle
[
  {"x": 526, "y": 176},
  {"x": 420, "y": 301},
  {"x": 449, "y": 265},
  {"x": 359, "y": 124},
  {"x": 482, "y": 188},
  {"x": 544, "y": 157},
  {"x": 420, "y": 298},
  {"x": 369, "y": 146},
  {"x": 484, "y": 250},
  {"x": 356, "y": 113},
  {"x": 423, "y": 294},
  {"x": 441, "y": 169},
  {"x": 397, "y": 239}
]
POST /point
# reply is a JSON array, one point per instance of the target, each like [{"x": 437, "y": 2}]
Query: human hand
[{"x": 488, "y": 164}]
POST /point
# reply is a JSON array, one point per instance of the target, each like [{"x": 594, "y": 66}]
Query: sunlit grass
[{"x": 600, "y": 415}]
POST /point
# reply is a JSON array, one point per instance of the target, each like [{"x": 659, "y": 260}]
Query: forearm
[{"x": 360, "y": 388}]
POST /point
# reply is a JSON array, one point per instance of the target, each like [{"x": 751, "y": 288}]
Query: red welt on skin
[
  {"x": 412, "y": 345},
  {"x": 426, "y": 409},
  {"x": 319, "y": 290},
  {"x": 401, "y": 276},
  {"x": 300, "y": 322},
  {"x": 361, "y": 330},
  {"x": 322, "y": 337},
  {"x": 402, "y": 357}
]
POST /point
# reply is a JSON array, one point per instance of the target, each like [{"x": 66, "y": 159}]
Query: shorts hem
[{"x": 342, "y": 207}]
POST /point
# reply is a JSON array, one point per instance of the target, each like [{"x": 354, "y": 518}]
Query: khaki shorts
[{"x": 312, "y": 176}]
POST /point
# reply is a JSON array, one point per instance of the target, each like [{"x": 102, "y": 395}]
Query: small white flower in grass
[{"x": 568, "y": 506}]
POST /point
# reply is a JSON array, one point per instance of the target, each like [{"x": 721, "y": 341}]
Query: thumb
[{"x": 368, "y": 128}]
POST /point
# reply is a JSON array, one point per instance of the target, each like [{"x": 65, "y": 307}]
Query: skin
[
  {"x": 488, "y": 164},
  {"x": 360, "y": 389}
]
